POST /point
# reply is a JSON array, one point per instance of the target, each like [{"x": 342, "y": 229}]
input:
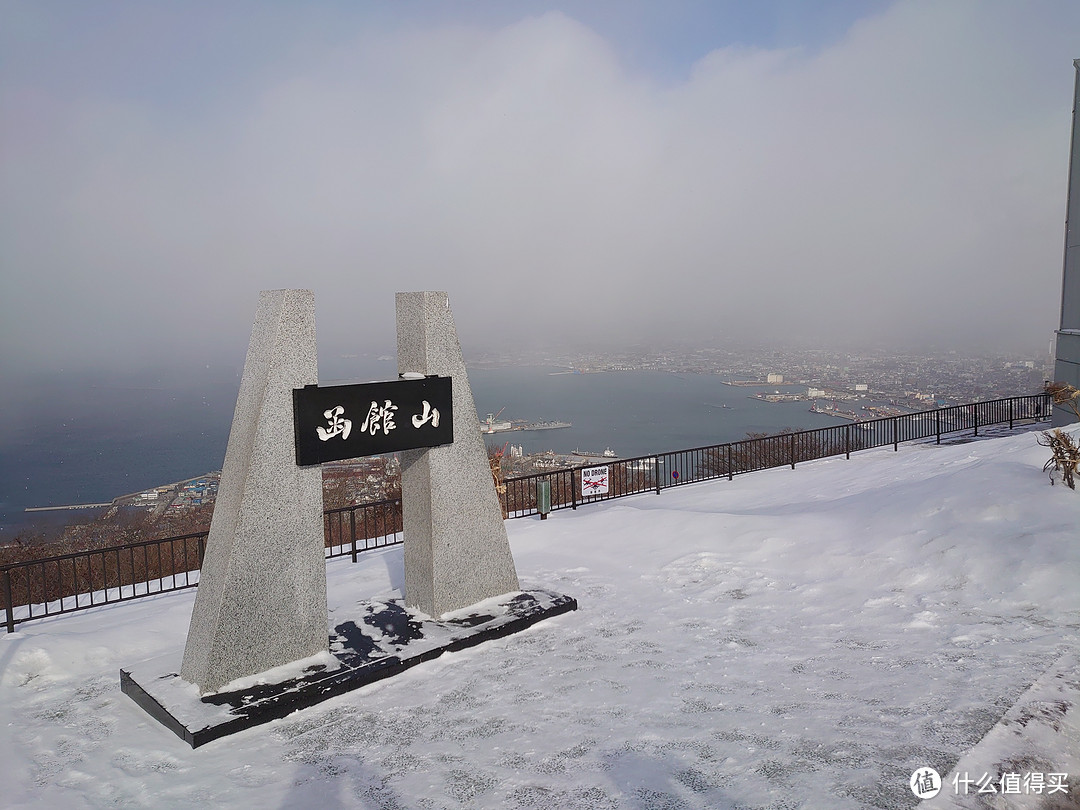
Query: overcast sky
[{"x": 596, "y": 170}]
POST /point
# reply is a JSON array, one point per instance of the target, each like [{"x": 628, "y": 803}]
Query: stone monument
[
  {"x": 260, "y": 609},
  {"x": 456, "y": 549},
  {"x": 261, "y": 600}
]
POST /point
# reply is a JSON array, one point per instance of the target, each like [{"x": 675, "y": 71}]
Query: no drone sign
[{"x": 594, "y": 481}]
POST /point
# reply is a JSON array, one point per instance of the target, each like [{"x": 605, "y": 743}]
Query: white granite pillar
[
  {"x": 456, "y": 549},
  {"x": 261, "y": 600}
]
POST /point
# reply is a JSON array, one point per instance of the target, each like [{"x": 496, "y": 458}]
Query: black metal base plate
[{"x": 387, "y": 639}]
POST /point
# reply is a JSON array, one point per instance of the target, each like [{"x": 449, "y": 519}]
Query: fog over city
[{"x": 580, "y": 172}]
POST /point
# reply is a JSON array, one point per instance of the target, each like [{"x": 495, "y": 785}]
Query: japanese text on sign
[{"x": 348, "y": 421}]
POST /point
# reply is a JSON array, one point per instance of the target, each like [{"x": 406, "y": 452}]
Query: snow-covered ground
[{"x": 792, "y": 638}]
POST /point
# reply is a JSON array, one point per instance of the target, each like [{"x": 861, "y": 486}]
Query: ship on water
[
  {"x": 544, "y": 425},
  {"x": 608, "y": 453},
  {"x": 492, "y": 424}
]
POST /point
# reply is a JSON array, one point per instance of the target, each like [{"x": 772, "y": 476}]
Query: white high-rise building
[{"x": 1067, "y": 365}]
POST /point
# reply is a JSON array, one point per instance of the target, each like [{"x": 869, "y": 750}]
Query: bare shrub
[{"x": 1064, "y": 451}]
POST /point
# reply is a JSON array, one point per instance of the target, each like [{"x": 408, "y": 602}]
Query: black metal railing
[
  {"x": 352, "y": 530},
  {"x": 84, "y": 579},
  {"x": 664, "y": 470},
  {"x": 79, "y": 580}
]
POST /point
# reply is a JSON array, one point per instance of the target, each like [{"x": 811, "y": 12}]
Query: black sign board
[{"x": 348, "y": 421}]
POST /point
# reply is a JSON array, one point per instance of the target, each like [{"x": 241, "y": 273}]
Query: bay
[
  {"x": 69, "y": 439},
  {"x": 634, "y": 413}
]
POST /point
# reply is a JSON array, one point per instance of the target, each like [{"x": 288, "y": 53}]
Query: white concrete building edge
[
  {"x": 456, "y": 549},
  {"x": 1067, "y": 365},
  {"x": 261, "y": 600}
]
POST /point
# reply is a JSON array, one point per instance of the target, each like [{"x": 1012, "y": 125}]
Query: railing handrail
[
  {"x": 704, "y": 456},
  {"x": 72, "y": 555},
  {"x": 806, "y": 431},
  {"x": 746, "y": 455},
  {"x": 339, "y": 509},
  {"x": 586, "y": 465}
]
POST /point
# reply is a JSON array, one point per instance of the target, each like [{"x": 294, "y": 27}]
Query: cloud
[{"x": 904, "y": 181}]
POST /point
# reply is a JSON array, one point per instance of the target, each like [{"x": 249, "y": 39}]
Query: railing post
[
  {"x": 847, "y": 441},
  {"x": 1010, "y": 413},
  {"x": 656, "y": 473},
  {"x": 895, "y": 441},
  {"x": 730, "y": 467},
  {"x": 7, "y": 601},
  {"x": 937, "y": 421},
  {"x": 573, "y": 490},
  {"x": 352, "y": 530},
  {"x": 975, "y": 408},
  {"x": 791, "y": 444}
]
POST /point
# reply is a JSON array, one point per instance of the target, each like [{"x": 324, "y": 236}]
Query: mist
[{"x": 902, "y": 180}]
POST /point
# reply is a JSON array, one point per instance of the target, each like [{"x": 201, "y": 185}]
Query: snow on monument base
[{"x": 388, "y": 638}]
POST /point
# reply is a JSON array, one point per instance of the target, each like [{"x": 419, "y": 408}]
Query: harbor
[{"x": 188, "y": 493}]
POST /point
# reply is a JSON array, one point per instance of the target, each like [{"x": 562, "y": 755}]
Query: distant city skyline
[{"x": 592, "y": 173}]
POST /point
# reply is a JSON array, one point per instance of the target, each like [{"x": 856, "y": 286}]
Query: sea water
[
  {"x": 633, "y": 413},
  {"x": 67, "y": 439}
]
